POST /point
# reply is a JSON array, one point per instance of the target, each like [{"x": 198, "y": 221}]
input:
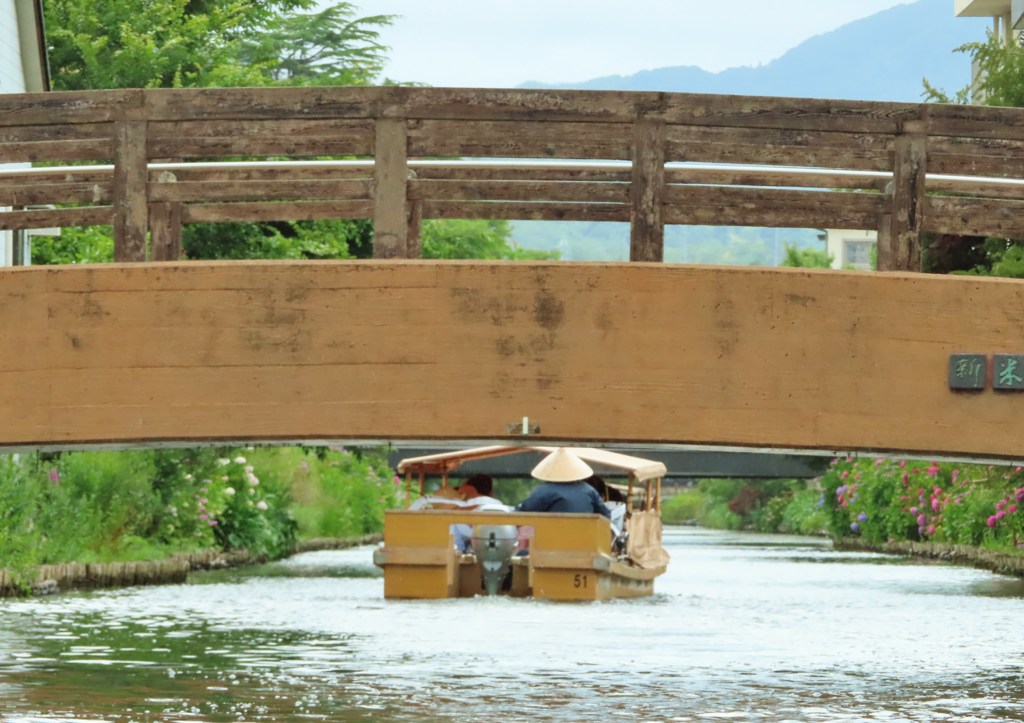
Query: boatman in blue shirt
[{"x": 564, "y": 488}]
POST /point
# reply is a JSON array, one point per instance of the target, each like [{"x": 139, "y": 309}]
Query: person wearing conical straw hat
[{"x": 564, "y": 488}]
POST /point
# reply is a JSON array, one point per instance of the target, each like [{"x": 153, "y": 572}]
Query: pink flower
[
  {"x": 921, "y": 519},
  {"x": 880, "y": 461},
  {"x": 1011, "y": 508},
  {"x": 991, "y": 521},
  {"x": 933, "y": 469},
  {"x": 935, "y": 504},
  {"x": 930, "y": 529},
  {"x": 212, "y": 523},
  {"x": 844, "y": 474},
  {"x": 903, "y": 463}
]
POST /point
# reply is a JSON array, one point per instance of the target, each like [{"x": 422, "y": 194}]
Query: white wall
[{"x": 12, "y": 80}]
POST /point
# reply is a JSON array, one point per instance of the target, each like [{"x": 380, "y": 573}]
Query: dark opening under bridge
[{"x": 146, "y": 352}]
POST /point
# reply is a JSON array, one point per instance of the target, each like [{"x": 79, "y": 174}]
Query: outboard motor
[{"x": 493, "y": 546}]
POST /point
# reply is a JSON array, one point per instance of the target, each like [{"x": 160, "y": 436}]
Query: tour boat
[{"x": 552, "y": 556}]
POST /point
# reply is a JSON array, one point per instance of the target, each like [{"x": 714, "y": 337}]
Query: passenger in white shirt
[{"x": 476, "y": 496}]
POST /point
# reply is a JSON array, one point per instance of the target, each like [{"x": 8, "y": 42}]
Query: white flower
[
  {"x": 189, "y": 477},
  {"x": 261, "y": 505},
  {"x": 253, "y": 480},
  {"x": 239, "y": 459},
  {"x": 229, "y": 491},
  {"x": 223, "y": 462}
]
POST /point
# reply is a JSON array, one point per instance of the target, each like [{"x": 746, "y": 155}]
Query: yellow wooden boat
[{"x": 545, "y": 555}]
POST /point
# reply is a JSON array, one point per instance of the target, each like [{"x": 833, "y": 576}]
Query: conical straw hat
[{"x": 562, "y": 466}]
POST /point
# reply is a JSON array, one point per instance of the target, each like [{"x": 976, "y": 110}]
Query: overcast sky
[{"x": 484, "y": 43}]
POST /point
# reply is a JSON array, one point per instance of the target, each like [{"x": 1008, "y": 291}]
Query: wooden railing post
[
  {"x": 130, "y": 176},
  {"x": 908, "y": 178},
  {"x": 646, "y": 191},
  {"x": 390, "y": 220}
]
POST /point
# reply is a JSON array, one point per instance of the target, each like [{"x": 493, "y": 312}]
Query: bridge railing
[{"x": 162, "y": 158}]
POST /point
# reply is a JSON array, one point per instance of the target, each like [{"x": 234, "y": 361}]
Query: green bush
[{"x": 684, "y": 507}]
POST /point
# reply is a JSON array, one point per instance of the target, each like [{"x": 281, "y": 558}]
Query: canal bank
[{"x": 63, "y": 577}]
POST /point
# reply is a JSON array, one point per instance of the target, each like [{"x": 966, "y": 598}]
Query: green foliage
[
  {"x": 342, "y": 494},
  {"x": 147, "y": 504},
  {"x": 882, "y": 500},
  {"x": 684, "y": 507},
  {"x": 1001, "y": 78},
  {"x": 328, "y": 47},
  {"x": 155, "y": 43},
  {"x": 807, "y": 258},
  {"x": 300, "y": 240},
  {"x": 472, "y": 239},
  {"x": 74, "y": 245}
]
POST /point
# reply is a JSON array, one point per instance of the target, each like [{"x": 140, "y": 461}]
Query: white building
[
  {"x": 850, "y": 248},
  {"x": 23, "y": 69}
]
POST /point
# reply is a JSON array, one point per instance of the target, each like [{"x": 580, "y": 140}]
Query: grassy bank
[
  {"x": 968, "y": 513},
  {"x": 95, "y": 507}
]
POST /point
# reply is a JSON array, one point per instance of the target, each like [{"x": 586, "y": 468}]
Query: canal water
[{"x": 742, "y": 627}]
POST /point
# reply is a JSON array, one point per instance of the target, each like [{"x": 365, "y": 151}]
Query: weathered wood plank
[
  {"x": 87, "y": 106},
  {"x": 34, "y": 194},
  {"x": 294, "y": 138},
  {"x": 129, "y": 183},
  {"x": 907, "y": 203},
  {"x": 507, "y": 139},
  {"x": 788, "y": 147},
  {"x": 390, "y": 224},
  {"x": 974, "y": 216},
  {"x": 522, "y": 211},
  {"x": 283, "y": 211},
  {"x": 475, "y": 190},
  {"x": 56, "y": 151},
  {"x": 61, "y": 217},
  {"x": 506, "y": 173},
  {"x": 646, "y": 192},
  {"x": 770, "y": 177},
  {"x": 774, "y": 208},
  {"x": 212, "y": 191},
  {"x": 165, "y": 231}
]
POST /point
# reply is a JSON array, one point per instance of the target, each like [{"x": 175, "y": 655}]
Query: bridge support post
[
  {"x": 908, "y": 184},
  {"x": 130, "y": 196},
  {"x": 390, "y": 221},
  {"x": 646, "y": 191},
  {"x": 165, "y": 231}
]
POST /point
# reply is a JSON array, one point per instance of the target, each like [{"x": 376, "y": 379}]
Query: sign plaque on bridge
[
  {"x": 967, "y": 371},
  {"x": 1008, "y": 372}
]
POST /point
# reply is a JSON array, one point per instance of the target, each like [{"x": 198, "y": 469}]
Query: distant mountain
[{"x": 881, "y": 57}]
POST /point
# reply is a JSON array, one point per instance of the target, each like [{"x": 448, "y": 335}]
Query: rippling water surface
[{"x": 742, "y": 627}]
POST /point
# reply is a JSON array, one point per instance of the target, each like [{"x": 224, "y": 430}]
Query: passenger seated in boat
[
  {"x": 476, "y": 493},
  {"x": 614, "y": 500},
  {"x": 564, "y": 488},
  {"x": 443, "y": 498}
]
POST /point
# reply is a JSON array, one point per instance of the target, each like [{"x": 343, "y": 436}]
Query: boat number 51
[{"x": 579, "y": 581}]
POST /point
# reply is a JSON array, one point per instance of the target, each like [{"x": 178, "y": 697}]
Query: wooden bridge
[{"x": 146, "y": 352}]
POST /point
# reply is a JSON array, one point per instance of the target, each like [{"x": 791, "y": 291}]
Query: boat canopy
[{"x": 637, "y": 468}]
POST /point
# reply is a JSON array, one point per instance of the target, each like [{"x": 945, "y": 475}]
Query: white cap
[{"x": 562, "y": 466}]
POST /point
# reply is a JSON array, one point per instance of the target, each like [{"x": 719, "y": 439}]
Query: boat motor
[{"x": 493, "y": 546}]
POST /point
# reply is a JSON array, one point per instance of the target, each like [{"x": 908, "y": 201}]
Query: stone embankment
[
  {"x": 1003, "y": 563},
  {"x": 50, "y": 579}
]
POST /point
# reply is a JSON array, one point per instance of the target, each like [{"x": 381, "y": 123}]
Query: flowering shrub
[
  {"x": 890, "y": 500},
  {"x": 147, "y": 504}
]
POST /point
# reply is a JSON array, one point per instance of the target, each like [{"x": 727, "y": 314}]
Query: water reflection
[{"x": 742, "y": 627}]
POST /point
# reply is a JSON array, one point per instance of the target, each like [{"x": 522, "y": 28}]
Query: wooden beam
[
  {"x": 907, "y": 202},
  {"x": 130, "y": 201},
  {"x": 646, "y": 191},
  {"x": 390, "y": 221},
  {"x": 202, "y": 352}
]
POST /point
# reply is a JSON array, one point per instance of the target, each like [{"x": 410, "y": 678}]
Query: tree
[
  {"x": 472, "y": 239},
  {"x": 999, "y": 82},
  {"x": 97, "y": 44},
  {"x": 330, "y": 47},
  {"x": 1000, "y": 78},
  {"x": 807, "y": 258}
]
